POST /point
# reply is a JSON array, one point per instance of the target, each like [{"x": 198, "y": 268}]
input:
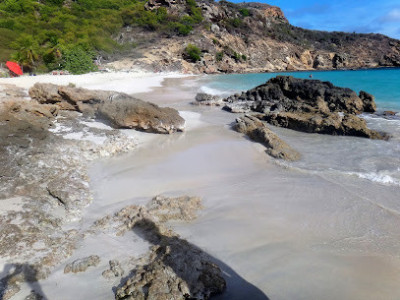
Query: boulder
[
  {"x": 119, "y": 109},
  {"x": 124, "y": 111},
  {"x": 286, "y": 93},
  {"x": 48, "y": 93},
  {"x": 332, "y": 123},
  {"x": 209, "y": 100},
  {"x": 259, "y": 132},
  {"x": 368, "y": 101}
]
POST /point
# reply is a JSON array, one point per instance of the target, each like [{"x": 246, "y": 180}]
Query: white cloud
[{"x": 392, "y": 16}]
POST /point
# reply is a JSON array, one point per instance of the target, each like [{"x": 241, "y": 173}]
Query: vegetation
[
  {"x": 219, "y": 55},
  {"x": 193, "y": 53},
  {"x": 53, "y": 34}
]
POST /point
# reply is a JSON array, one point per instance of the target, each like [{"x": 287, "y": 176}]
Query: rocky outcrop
[
  {"x": 81, "y": 265},
  {"x": 259, "y": 132},
  {"x": 308, "y": 106},
  {"x": 124, "y": 111},
  {"x": 250, "y": 37},
  {"x": 289, "y": 94},
  {"x": 209, "y": 100},
  {"x": 173, "y": 268},
  {"x": 119, "y": 109},
  {"x": 331, "y": 123}
]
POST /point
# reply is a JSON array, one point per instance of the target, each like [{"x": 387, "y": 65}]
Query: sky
[{"x": 361, "y": 16}]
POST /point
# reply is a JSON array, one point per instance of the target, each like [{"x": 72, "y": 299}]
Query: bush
[
  {"x": 219, "y": 55},
  {"x": 76, "y": 60},
  {"x": 244, "y": 12},
  {"x": 193, "y": 52}
]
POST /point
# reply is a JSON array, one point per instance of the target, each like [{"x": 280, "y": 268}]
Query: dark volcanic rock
[
  {"x": 121, "y": 110},
  {"x": 259, "y": 132},
  {"x": 308, "y": 106},
  {"x": 331, "y": 123},
  {"x": 369, "y": 101},
  {"x": 286, "y": 93}
]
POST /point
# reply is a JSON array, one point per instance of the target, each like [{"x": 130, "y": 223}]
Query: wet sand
[{"x": 292, "y": 234}]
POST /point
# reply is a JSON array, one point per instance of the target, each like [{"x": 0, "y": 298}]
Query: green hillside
[{"x": 55, "y": 34}]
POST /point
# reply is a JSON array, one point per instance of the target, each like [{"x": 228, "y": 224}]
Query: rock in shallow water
[
  {"x": 81, "y": 265},
  {"x": 259, "y": 132},
  {"x": 286, "y": 93},
  {"x": 331, "y": 123}
]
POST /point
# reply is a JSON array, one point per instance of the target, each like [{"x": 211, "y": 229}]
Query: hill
[{"x": 177, "y": 35}]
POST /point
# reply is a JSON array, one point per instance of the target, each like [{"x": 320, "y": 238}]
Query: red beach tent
[{"x": 14, "y": 67}]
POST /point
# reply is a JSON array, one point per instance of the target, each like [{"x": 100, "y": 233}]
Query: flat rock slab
[{"x": 118, "y": 109}]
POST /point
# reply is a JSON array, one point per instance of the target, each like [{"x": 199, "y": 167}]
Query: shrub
[
  {"x": 76, "y": 60},
  {"x": 244, "y": 57},
  {"x": 219, "y": 55},
  {"x": 193, "y": 52},
  {"x": 244, "y": 12}
]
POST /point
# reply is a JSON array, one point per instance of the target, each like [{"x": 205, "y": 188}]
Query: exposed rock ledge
[
  {"x": 310, "y": 106},
  {"x": 119, "y": 109}
]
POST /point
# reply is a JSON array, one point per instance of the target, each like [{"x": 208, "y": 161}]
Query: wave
[
  {"x": 378, "y": 177},
  {"x": 216, "y": 92},
  {"x": 382, "y": 177}
]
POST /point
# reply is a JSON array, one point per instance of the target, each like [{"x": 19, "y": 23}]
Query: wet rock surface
[
  {"x": 209, "y": 100},
  {"x": 81, "y": 265},
  {"x": 311, "y": 106},
  {"x": 333, "y": 124},
  {"x": 257, "y": 131},
  {"x": 118, "y": 109},
  {"x": 173, "y": 268}
]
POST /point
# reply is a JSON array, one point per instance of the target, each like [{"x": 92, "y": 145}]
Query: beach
[{"x": 277, "y": 230}]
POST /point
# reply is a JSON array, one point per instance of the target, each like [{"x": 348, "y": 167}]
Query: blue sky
[{"x": 364, "y": 16}]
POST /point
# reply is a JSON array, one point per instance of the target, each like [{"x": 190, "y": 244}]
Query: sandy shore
[
  {"x": 275, "y": 232},
  {"x": 126, "y": 82}
]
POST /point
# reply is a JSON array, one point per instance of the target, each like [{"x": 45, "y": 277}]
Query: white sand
[{"x": 126, "y": 82}]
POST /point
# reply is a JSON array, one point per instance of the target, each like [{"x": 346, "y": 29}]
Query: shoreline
[
  {"x": 126, "y": 82},
  {"x": 261, "y": 222}
]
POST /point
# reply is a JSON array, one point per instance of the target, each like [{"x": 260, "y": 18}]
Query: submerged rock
[
  {"x": 175, "y": 269},
  {"x": 259, "y": 132},
  {"x": 331, "y": 123},
  {"x": 114, "y": 271},
  {"x": 209, "y": 100},
  {"x": 81, "y": 265},
  {"x": 119, "y": 109},
  {"x": 307, "y": 105}
]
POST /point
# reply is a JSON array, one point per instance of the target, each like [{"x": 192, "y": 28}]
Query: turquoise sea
[
  {"x": 372, "y": 160},
  {"x": 384, "y": 84}
]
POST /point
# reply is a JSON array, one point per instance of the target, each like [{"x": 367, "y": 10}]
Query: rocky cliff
[{"x": 249, "y": 37}]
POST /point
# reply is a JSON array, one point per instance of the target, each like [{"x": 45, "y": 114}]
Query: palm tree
[{"x": 26, "y": 54}]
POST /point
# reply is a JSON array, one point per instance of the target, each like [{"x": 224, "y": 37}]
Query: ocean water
[
  {"x": 326, "y": 227},
  {"x": 333, "y": 156},
  {"x": 384, "y": 84}
]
